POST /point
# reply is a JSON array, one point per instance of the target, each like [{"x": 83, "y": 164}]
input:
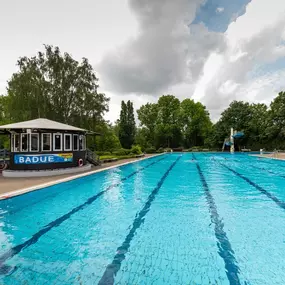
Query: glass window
[
  {"x": 67, "y": 142},
  {"x": 75, "y": 142},
  {"x": 82, "y": 143},
  {"x": 16, "y": 142},
  {"x": 24, "y": 142},
  {"x": 34, "y": 142},
  {"x": 46, "y": 142},
  {"x": 57, "y": 143}
]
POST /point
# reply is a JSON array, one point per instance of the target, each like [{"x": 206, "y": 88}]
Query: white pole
[{"x": 232, "y": 141}]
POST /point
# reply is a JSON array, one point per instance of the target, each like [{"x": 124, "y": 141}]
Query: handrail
[
  {"x": 4, "y": 152},
  {"x": 92, "y": 157}
]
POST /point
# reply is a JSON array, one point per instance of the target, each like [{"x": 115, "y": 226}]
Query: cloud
[
  {"x": 253, "y": 39},
  {"x": 220, "y": 10},
  {"x": 166, "y": 52}
]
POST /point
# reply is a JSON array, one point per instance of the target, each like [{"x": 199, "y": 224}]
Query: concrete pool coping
[
  {"x": 278, "y": 156},
  {"x": 50, "y": 181}
]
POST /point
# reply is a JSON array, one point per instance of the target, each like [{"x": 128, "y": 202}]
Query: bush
[
  {"x": 151, "y": 150},
  {"x": 178, "y": 149},
  {"x": 122, "y": 151},
  {"x": 136, "y": 149},
  {"x": 103, "y": 157},
  {"x": 160, "y": 150},
  {"x": 100, "y": 153},
  {"x": 195, "y": 148},
  {"x": 168, "y": 149}
]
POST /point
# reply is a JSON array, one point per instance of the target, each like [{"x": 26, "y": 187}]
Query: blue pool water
[{"x": 173, "y": 219}]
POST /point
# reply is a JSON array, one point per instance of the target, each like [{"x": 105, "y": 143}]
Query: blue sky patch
[{"x": 218, "y": 14}]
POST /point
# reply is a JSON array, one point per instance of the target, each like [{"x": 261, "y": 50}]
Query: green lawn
[{"x": 105, "y": 157}]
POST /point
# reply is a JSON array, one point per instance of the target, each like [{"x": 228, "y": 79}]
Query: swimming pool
[{"x": 173, "y": 219}]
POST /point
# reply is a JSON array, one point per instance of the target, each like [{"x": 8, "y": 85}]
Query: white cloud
[
  {"x": 163, "y": 51},
  {"x": 220, "y": 10},
  {"x": 255, "y": 38},
  {"x": 85, "y": 28},
  {"x": 143, "y": 49}
]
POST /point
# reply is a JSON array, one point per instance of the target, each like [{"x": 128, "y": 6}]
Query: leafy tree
[
  {"x": 142, "y": 138},
  {"x": 4, "y": 140},
  {"x": 276, "y": 122},
  {"x": 170, "y": 123},
  {"x": 237, "y": 116},
  {"x": 196, "y": 123},
  {"x": 127, "y": 125},
  {"x": 147, "y": 114},
  {"x": 258, "y": 124},
  {"x": 252, "y": 119},
  {"x": 123, "y": 136},
  {"x": 131, "y": 123},
  {"x": 107, "y": 141},
  {"x": 167, "y": 131},
  {"x": 55, "y": 86},
  {"x": 116, "y": 127}
]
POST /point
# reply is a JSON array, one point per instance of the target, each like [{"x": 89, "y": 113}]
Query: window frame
[
  {"x": 30, "y": 146},
  {"x": 50, "y": 142},
  {"x": 14, "y": 143},
  {"x": 64, "y": 144},
  {"x": 83, "y": 139},
  {"x": 53, "y": 145},
  {"x": 21, "y": 142},
  {"x": 12, "y": 138},
  {"x": 75, "y": 135}
]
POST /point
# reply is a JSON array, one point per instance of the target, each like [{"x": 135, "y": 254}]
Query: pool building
[{"x": 42, "y": 147}]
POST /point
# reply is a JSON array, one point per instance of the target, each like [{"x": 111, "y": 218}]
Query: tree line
[
  {"x": 53, "y": 85},
  {"x": 171, "y": 123}
]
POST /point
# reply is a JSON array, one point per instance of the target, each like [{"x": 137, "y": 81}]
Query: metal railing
[
  {"x": 92, "y": 157},
  {"x": 4, "y": 159},
  {"x": 4, "y": 154}
]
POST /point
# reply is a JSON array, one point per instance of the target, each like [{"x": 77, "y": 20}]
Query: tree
[
  {"x": 236, "y": 116},
  {"x": 57, "y": 87},
  {"x": 170, "y": 123},
  {"x": 127, "y": 125},
  {"x": 252, "y": 119},
  {"x": 142, "y": 138},
  {"x": 4, "y": 140},
  {"x": 196, "y": 123},
  {"x": 258, "y": 124},
  {"x": 107, "y": 141},
  {"x": 147, "y": 114},
  {"x": 131, "y": 123},
  {"x": 167, "y": 131},
  {"x": 276, "y": 122}
]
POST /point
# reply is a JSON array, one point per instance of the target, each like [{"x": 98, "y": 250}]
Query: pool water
[{"x": 172, "y": 219}]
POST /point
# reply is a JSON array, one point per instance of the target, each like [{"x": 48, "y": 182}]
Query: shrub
[
  {"x": 121, "y": 152},
  {"x": 195, "y": 148},
  {"x": 168, "y": 149},
  {"x": 160, "y": 150},
  {"x": 178, "y": 149},
  {"x": 136, "y": 149},
  {"x": 103, "y": 157},
  {"x": 100, "y": 153},
  {"x": 150, "y": 150}
]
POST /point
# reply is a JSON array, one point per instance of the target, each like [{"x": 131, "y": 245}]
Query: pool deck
[
  {"x": 15, "y": 186},
  {"x": 278, "y": 156}
]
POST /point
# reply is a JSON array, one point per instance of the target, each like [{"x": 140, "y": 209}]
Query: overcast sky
[{"x": 213, "y": 51}]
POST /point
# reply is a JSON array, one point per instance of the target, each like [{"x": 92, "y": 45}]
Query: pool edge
[{"x": 22, "y": 191}]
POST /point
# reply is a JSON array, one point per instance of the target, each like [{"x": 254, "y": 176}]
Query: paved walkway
[
  {"x": 12, "y": 184},
  {"x": 279, "y": 155}
]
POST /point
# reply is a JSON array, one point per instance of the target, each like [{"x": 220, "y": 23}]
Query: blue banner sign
[{"x": 42, "y": 158}]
